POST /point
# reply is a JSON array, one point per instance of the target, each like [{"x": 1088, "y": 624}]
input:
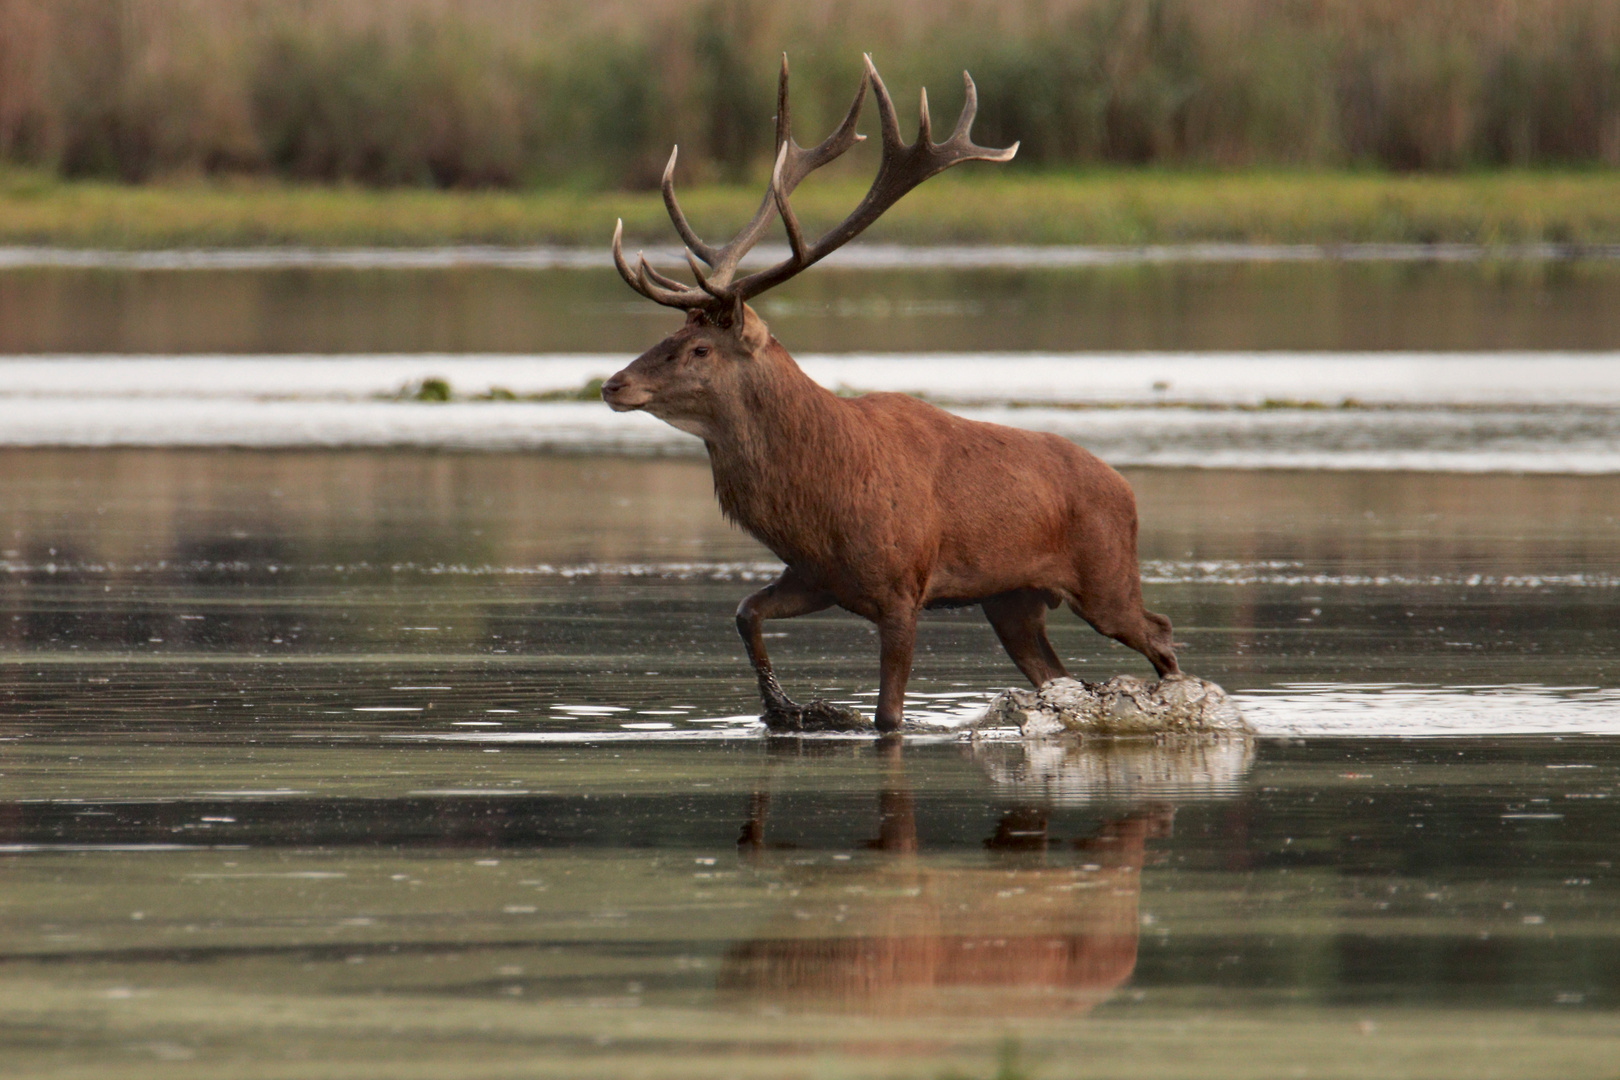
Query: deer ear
[
  {"x": 695, "y": 317},
  {"x": 753, "y": 331}
]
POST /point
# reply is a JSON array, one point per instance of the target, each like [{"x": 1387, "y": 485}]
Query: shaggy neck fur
[{"x": 780, "y": 449}]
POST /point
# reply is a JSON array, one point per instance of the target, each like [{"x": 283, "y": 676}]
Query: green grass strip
[{"x": 1108, "y": 208}]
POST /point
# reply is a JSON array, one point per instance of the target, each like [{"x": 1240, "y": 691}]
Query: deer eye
[{"x": 700, "y": 351}]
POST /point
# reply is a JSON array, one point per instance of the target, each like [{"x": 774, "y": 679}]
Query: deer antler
[
  {"x": 714, "y": 287},
  {"x": 903, "y": 167}
]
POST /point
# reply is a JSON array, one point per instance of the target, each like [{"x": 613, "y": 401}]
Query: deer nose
[{"x": 613, "y": 386}]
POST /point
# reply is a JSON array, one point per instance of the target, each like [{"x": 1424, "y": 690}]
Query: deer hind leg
[
  {"x": 785, "y": 598},
  {"x": 1122, "y": 617},
  {"x": 1161, "y": 646},
  {"x": 1019, "y": 620}
]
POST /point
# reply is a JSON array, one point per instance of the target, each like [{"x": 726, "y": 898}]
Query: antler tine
[
  {"x": 902, "y": 168},
  {"x": 802, "y": 162},
  {"x": 667, "y": 185},
  {"x": 679, "y": 297},
  {"x": 661, "y": 279},
  {"x": 783, "y": 122},
  {"x": 961, "y": 138},
  {"x": 887, "y": 121},
  {"x": 703, "y": 279},
  {"x": 618, "y": 258},
  {"x": 970, "y": 109},
  {"x": 790, "y": 220},
  {"x": 683, "y": 298},
  {"x": 796, "y": 163}
]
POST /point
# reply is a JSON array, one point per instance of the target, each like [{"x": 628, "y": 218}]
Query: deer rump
[{"x": 882, "y": 504}]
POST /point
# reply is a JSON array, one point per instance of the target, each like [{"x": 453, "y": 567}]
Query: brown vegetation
[{"x": 515, "y": 92}]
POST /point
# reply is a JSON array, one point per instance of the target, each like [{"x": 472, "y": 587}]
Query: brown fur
[{"x": 885, "y": 505}]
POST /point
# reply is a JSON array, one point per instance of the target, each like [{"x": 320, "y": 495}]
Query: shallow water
[
  {"x": 404, "y": 763},
  {"x": 1252, "y": 304}
]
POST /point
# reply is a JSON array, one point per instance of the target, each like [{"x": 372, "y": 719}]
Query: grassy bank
[{"x": 1094, "y": 208}]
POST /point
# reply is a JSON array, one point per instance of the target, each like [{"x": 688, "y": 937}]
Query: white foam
[
  {"x": 1294, "y": 710},
  {"x": 1406, "y": 710}
]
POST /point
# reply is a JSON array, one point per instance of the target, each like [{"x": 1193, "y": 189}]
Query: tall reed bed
[{"x": 503, "y": 93}]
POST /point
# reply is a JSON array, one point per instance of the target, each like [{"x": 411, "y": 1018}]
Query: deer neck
[{"x": 777, "y": 450}]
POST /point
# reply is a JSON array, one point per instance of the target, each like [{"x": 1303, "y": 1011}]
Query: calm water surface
[
  {"x": 1332, "y": 306},
  {"x": 416, "y": 764}
]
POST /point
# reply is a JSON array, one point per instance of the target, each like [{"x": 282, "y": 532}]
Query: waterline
[{"x": 854, "y": 257}]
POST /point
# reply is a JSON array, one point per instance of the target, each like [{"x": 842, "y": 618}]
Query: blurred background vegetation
[{"x": 548, "y": 93}]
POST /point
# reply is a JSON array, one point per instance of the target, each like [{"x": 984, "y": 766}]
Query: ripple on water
[
  {"x": 1405, "y": 710},
  {"x": 1288, "y": 710}
]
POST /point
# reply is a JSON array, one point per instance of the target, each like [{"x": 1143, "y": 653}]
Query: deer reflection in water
[{"x": 1035, "y": 926}]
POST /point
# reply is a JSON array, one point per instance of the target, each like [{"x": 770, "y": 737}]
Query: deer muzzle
[{"x": 622, "y": 395}]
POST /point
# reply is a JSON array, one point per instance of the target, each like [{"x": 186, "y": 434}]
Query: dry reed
[{"x": 506, "y": 93}]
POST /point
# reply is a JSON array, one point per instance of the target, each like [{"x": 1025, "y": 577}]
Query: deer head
[
  {"x": 678, "y": 379},
  {"x": 686, "y": 379}
]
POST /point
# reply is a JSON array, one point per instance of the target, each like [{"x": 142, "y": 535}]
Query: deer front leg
[
  {"x": 1019, "y": 619},
  {"x": 897, "y": 636},
  {"x": 784, "y": 598}
]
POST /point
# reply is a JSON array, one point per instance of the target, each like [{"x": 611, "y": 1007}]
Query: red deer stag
[{"x": 882, "y": 505}]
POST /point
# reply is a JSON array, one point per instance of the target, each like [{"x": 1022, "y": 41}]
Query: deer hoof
[{"x": 791, "y": 718}]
